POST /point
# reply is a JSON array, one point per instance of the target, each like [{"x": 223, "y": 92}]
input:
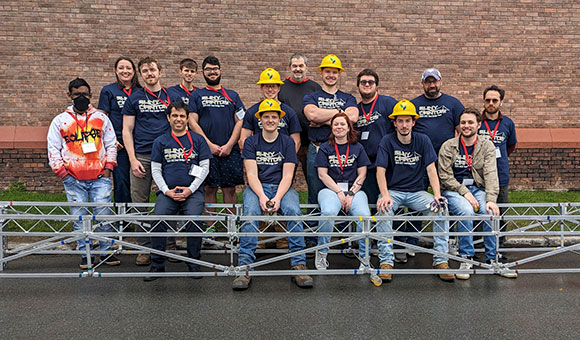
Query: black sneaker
[
  {"x": 195, "y": 270},
  {"x": 154, "y": 270},
  {"x": 112, "y": 261},
  {"x": 84, "y": 263},
  {"x": 401, "y": 257}
]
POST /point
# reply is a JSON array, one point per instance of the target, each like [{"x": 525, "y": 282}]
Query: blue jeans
[
  {"x": 192, "y": 206},
  {"x": 330, "y": 206},
  {"x": 97, "y": 191},
  {"x": 460, "y": 206},
  {"x": 290, "y": 206},
  {"x": 417, "y": 201},
  {"x": 121, "y": 178}
]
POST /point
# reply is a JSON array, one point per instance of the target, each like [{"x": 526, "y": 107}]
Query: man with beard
[
  {"x": 187, "y": 71},
  {"x": 319, "y": 108},
  {"x": 292, "y": 93},
  {"x": 373, "y": 124},
  {"x": 468, "y": 174},
  {"x": 502, "y": 131},
  {"x": 144, "y": 120},
  {"x": 439, "y": 114},
  {"x": 216, "y": 114}
]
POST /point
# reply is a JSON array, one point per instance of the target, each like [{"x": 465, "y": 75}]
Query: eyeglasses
[
  {"x": 367, "y": 82},
  {"x": 494, "y": 100},
  {"x": 211, "y": 69}
]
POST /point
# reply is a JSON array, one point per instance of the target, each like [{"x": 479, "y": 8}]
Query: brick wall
[
  {"x": 545, "y": 169},
  {"x": 29, "y": 166},
  {"x": 529, "y": 47}
]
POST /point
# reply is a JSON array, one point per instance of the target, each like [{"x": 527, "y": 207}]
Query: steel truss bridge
[{"x": 46, "y": 228}]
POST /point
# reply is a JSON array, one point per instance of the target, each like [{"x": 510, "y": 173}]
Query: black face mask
[{"x": 81, "y": 103}]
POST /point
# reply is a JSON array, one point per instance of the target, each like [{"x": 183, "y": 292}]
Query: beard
[
  {"x": 367, "y": 95},
  {"x": 430, "y": 94},
  {"x": 473, "y": 133},
  {"x": 213, "y": 82}
]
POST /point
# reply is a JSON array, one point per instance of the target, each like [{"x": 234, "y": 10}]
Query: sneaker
[
  {"x": 154, "y": 269},
  {"x": 401, "y": 257},
  {"x": 453, "y": 250},
  {"x": 386, "y": 276},
  {"x": 512, "y": 275},
  {"x": 112, "y": 261},
  {"x": 464, "y": 266},
  {"x": 195, "y": 269},
  {"x": 241, "y": 282},
  {"x": 172, "y": 249},
  {"x": 143, "y": 260},
  {"x": 410, "y": 253},
  {"x": 84, "y": 263},
  {"x": 363, "y": 266},
  {"x": 444, "y": 277},
  {"x": 320, "y": 261},
  {"x": 302, "y": 281}
]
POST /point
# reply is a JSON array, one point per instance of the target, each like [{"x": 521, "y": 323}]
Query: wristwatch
[{"x": 349, "y": 193}]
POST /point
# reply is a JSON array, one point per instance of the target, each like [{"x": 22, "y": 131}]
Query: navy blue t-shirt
[
  {"x": 180, "y": 92},
  {"x": 460, "y": 167},
  {"x": 288, "y": 125},
  {"x": 406, "y": 164},
  {"x": 150, "y": 117},
  {"x": 270, "y": 157},
  {"x": 216, "y": 113},
  {"x": 325, "y": 100},
  {"x": 111, "y": 100},
  {"x": 377, "y": 125},
  {"x": 174, "y": 167},
  {"x": 503, "y": 138},
  {"x": 439, "y": 117},
  {"x": 327, "y": 158}
]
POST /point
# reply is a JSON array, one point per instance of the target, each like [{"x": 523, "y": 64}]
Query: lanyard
[
  {"x": 161, "y": 100},
  {"x": 494, "y": 130},
  {"x": 79, "y": 124},
  {"x": 368, "y": 117},
  {"x": 338, "y": 156},
  {"x": 468, "y": 158},
  {"x": 297, "y": 82},
  {"x": 128, "y": 93},
  {"x": 223, "y": 92},
  {"x": 185, "y": 154},
  {"x": 186, "y": 90}
]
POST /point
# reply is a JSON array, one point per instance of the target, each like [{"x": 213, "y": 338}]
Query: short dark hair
[
  {"x": 495, "y": 88},
  {"x": 177, "y": 106},
  {"x": 134, "y": 80},
  {"x": 210, "y": 60},
  {"x": 189, "y": 63},
  {"x": 472, "y": 111},
  {"x": 367, "y": 72},
  {"x": 148, "y": 60},
  {"x": 76, "y": 83}
]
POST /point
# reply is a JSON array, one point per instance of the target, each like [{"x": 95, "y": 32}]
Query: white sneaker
[
  {"x": 320, "y": 261},
  {"x": 410, "y": 252},
  {"x": 363, "y": 266},
  {"x": 464, "y": 266},
  {"x": 453, "y": 247}
]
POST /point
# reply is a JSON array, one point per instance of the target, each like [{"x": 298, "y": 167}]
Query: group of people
[{"x": 192, "y": 141}]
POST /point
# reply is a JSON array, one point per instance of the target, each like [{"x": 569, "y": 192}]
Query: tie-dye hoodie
[{"x": 65, "y": 139}]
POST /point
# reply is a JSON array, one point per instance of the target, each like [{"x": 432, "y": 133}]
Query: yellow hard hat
[
  {"x": 331, "y": 61},
  {"x": 268, "y": 105},
  {"x": 404, "y": 108},
  {"x": 270, "y": 76}
]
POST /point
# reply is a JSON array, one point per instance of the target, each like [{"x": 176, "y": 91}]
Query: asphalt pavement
[{"x": 533, "y": 306}]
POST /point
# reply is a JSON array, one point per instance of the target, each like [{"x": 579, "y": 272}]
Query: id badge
[
  {"x": 343, "y": 186},
  {"x": 240, "y": 113},
  {"x": 467, "y": 181},
  {"x": 195, "y": 170},
  {"x": 89, "y": 147},
  {"x": 497, "y": 153},
  {"x": 364, "y": 135}
]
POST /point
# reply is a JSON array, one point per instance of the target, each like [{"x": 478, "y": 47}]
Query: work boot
[
  {"x": 241, "y": 282},
  {"x": 154, "y": 269},
  {"x": 143, "y": 260},
  {"x": 283, "y": 242},
  {"x": 386, "y": 276},
  {"x": 172, "y": 249},
  {"x": 444, "y": 277},
  {"x": 302, "y": 281}
]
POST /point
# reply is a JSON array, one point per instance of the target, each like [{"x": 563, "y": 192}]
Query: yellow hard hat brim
[
  {"x": 258, "y": 114},
  {"x": 394, "y": 115}
]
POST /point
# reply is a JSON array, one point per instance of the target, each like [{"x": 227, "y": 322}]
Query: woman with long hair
[
  {"x": 342, "y": 167},
  {"x": 111, "y": 101}
]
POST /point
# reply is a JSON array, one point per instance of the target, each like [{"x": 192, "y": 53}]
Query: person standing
[
  {"x": 187, "y": 71},
  {"x": 82, "y": 149}
]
